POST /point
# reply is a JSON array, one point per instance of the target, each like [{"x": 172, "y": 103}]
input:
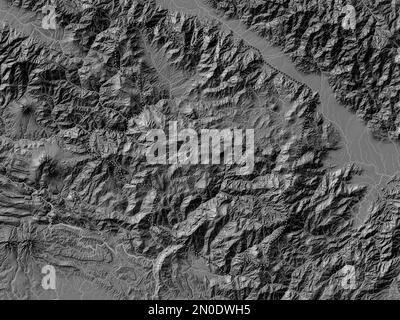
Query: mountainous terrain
[{"x": 77, "y": 193}]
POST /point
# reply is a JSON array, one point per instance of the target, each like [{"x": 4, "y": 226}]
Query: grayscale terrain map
[{"x": 85, "y": 215}]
